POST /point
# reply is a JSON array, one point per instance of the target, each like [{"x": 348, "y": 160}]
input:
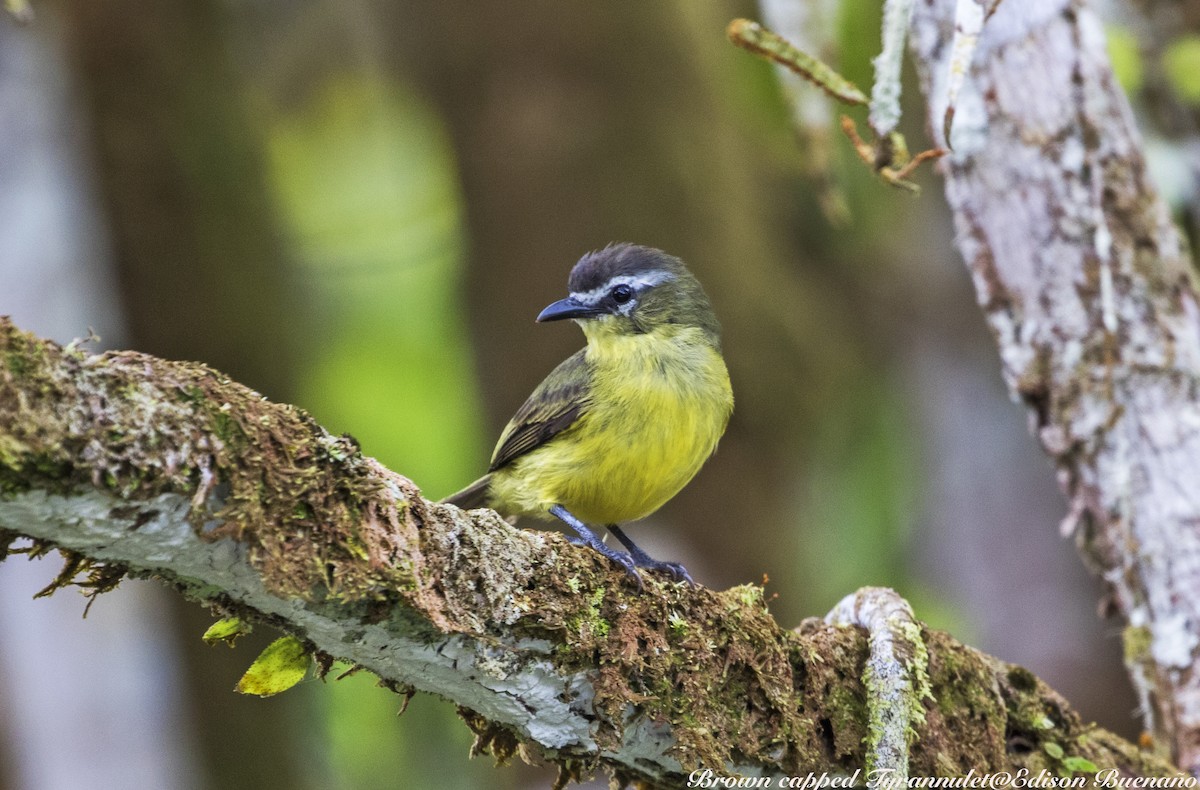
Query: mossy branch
[{"x": 144, "y": 467}]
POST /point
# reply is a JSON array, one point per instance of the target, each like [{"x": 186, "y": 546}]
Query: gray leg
[
  {"x": 592, "y": 541},
  {"x": 644, "y": 560}
]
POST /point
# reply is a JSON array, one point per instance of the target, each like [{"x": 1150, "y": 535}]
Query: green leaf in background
[
  {"x": 1181, "y": 62},
  {"x": 1126, "y": 57},
  {"x": 368, "y": 187},
  {"x": 282, "y": 665},
  {"x": 367, "y": 183}
]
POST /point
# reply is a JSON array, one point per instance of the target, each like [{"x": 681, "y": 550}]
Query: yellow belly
[{"x": 655, "y": 416}]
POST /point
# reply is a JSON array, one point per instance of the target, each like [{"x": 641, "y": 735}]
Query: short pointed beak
[{"x": 567, "y": 308}]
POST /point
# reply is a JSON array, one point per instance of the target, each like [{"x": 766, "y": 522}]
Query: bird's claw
[
  {"x": 588, "y": 538},
  {"x": 626, "y": 562},
  {"x": 675, "y": 569},
  {"x": 643, "y": 560},
  {"x": 619, "y": 557}
]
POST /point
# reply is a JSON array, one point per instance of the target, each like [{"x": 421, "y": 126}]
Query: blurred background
[{"x": 359, "y": 207}]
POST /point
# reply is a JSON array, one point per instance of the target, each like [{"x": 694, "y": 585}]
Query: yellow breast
[{"x": 659, "y": 403}]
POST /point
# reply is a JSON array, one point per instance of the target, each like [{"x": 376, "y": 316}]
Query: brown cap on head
[
  {"x": 595, "y": 269},
  {"x": 641, "y": 288}
]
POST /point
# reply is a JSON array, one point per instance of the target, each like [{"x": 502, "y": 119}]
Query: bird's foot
[
  {"x": 674, "y": 569},
  {"x": 594, "y": 542},
  {"x": 643, "y": 560}
]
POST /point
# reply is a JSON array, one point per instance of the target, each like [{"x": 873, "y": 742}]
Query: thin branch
[
  {"x": 811, "y": 27},
  {"x": 968, "y": 22},
  {"x": 897, "y": 668}
]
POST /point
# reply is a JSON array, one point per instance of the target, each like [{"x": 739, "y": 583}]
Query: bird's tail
[{"x": 474, "y": 495}]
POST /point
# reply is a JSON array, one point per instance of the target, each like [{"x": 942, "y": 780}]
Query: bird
[{"x": 623, "y": 424}]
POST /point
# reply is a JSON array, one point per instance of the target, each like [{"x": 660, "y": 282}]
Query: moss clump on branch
[{"x": 308, "y": 507}]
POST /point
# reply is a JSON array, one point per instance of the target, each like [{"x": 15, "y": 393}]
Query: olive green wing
[{"x": 553, "y": 407}]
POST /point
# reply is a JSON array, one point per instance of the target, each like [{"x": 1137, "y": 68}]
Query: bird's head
[{"x": 629, "y": 289}]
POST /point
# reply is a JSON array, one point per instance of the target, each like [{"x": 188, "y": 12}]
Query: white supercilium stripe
[{"x": 638, "y": 282}]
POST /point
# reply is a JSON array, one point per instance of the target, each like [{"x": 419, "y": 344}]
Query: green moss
[
  {"x": 17, "y": 364},
  {"x": 224, "y": 426},
  {"x": 147, "y": 426},
  {"x": 678, "y": 625},
  {"x": 1022, "y": 679},
  {"x": 588, "y": 623},
  {"x": 748, "y": 595},
  {"x": 1135, "y": 643},
  {"x": 847, "y": 711}
]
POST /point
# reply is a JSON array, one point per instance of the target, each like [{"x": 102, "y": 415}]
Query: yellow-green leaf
[
  {"x": 282, "y": 665},
  {"x": 227, "y": 630},
  {"x": 1079, "y": 765}
]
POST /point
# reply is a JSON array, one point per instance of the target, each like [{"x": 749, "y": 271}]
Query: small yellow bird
[{"x": 623, "y": 424}]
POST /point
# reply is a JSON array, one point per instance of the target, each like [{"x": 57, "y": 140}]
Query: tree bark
[
  {"x": 133, "y": 465},
  {"x": 1093, "y": 305}
]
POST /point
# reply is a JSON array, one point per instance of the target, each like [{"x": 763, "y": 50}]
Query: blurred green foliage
[
  {"x": 1126, "y": 57},
  {"x": 1181, "y": 62},
  {"x": 369, "y": 195},
  {"x": 861, "y": 497},
  {"x": 373, "y": 747}
]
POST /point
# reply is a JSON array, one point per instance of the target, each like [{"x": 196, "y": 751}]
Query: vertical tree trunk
[{"x": 1093, "y": 305}]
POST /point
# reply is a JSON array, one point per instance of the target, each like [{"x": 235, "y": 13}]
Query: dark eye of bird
[{"x": 621, "y": 293}]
